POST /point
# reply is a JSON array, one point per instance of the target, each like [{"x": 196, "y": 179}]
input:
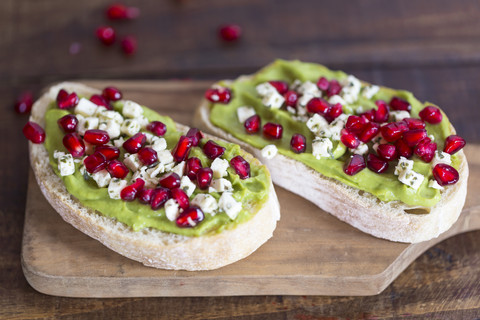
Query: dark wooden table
[{"x": 429, "y": 47}]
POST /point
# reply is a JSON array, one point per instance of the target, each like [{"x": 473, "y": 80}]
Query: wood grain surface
[{"x": 428, "y": 47}]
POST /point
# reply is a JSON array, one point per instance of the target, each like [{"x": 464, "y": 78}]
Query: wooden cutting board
[{"x": 311, "y": 253}]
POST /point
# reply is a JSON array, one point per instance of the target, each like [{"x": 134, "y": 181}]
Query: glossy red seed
[
  {"x": 61, "y": 95},
  {"x": 403, "y": 150},
  {"x": 318, "y": 105},
  {"x": 212, "y": 150},
  {"x": 241, "y": 167},
  {"x": 68, "y": 123},
  {"x": 129, "y": 193},
  {"x": 106, "y": 35},
  {"x": 369, "y": 132},
  {"x": 252, "y": 124},
  {"x": 100, "y": 101},
  {"x": 195, "y": 136},
  {"x": 129, "y": 45},
  {"x": 387, "y": 151},
  {"x": 145, "y": 195},
  {"x": 369, "y": 115},
  {"x": 453, "y": 144},
  {"x": 323, "y": 84},
  {"x": 431, "y": 115},
  {"x": 376, "y": 164},
  {"x": 34, "y": 132},
  {"x": 182, "y": 149},
  {"x": 192, "y": 166},
  {"x": 111, "y": 94},
  {"x": 170, "y": 180},
  {"x": 354, "y": 165},
  {"x": 110, "y": 152},
  {"x": 445, "y": 175},
  {"x": 204, "y": 178},
  {"x": 181, "y": 197},
  {"x": 96, "y": 136},
  {"x": 399, "y": 104},
  {"x": 24, "y": 103},
  {"x": 67, "y": 101},
  {"x": 334, "y": 88},
  {"x": 425, "y": 150},
  {"x": 413, "y": 137},
  {"x": 393, "y": 131},
  {"x": 95, "y": 162},
  {"x": 117, "y": 169},
  {"x": 414, "y": 123},
  {"x": 382, "y": 112},
  {"x": 272, "y": 130},
  {"x": 356, "y": 124},
  {"x": 349, "y": 139},
  {"x": 218, "y": 95},
  {"x": 190, "y": 217},
  {"x": 74, "y": 144},
  {"x": 334, "y": 112},
  {"x": 291, "y": 98},
  {"x": 135, "y": 143},
  {"x": 118, "y": 11},
  {"x": 281, "y": 86},
  {"x": 157, "y": 128},
  {"x": 147, "y": 156},
  {"x": 159, "y": 197},
  {"x": 298, "y": 143},
  {"x": 230, "y": 32}
]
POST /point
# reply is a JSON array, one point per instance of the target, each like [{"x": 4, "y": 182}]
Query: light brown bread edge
[
  {"x": 362, "y": 210},
  {"x": 151, "y": 247}
]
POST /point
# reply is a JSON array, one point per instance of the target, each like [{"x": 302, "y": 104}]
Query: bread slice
[
  {"x": 393, "y": 220},
  {"x": 149, "y": 246}
]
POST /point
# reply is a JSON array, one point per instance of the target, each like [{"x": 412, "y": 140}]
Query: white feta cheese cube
[
  {"x": 115, "y": 187},
  {"x": 132, "y": 162},
  {"x": 165, "y": 157},
  {"x": 159, "y": 144},
  {"x": 243, "y": 113},
  {"x": 219, "y": 167},
  {"x": 229, "y": 205},
  {"x": 322, "y": 148},
  {"x": 317, "y": 123},
  {"x": 149, "y": 137},
  {"x": 130, "y": 127},
  {"x": 142, "y": 121},
  {"x": 172, "y": 209},
  {"x": 264, "y": 89},
  {"x": 295, "y": 84},
  {"x": 132, "y": 109},
  {"x": 99, "y": 111},
  {"x": 66, "y": 166},
  {"x": 102, "y": 178},
  {"x": 221, "y": 185},
  {"x": 403, "y": 165},
  {"x": 111, "y": 115},
  {"x": 57, "y": 154},
  {"x": 309, "y": 88},
  {"x": 206, "y": 202},
  {"x": 112, "y": 128},
  {"x": 85, "y": 124},
  {"x": 337, "y": 99},
  {"x": 118, "y": 142},
  {"x": 303, "y": 101},
  {"x": 369, "y": 91},
  {"x": 399, "y": 115},
  {"x": 269, "y": 151},
  {"x": 441, "y": 157},
  {"x": 179, "y": 168},
  {"x": 273, "y": 100},
  {"x": 187, "y": 185},
  {"x": 361, "y": 149},
  {"x": 155, "y": 171},
  {"x": 292, "y": 110},
  {"x": 85, "y": 107},
  {"x": 411, "y": 178},
  {"x": 434, "y": 184}
]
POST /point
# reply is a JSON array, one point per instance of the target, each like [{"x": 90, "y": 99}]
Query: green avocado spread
[
  {"x": 385, "y": 186},
  {"x": 252, "y": 192}
]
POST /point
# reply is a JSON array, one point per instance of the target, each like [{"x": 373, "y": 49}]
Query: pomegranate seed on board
[
  {"x": 252, "y": 124},
  {"x": 393, "y": 131},
  {"x": 111, "y": 94},
  {"x": 130, "y": 192},
  {"x": 195, "y": 136},
  {"x": 212, "y": 150},
  {"x": 129, "y": 45},
  {"x": 323, "y": 84},
  {"x": 95, "y": 162},
  {"x": 147, "y": 156},
  {"x": 230, "y": 32},
  {"x": 354, "y": 165},
  {"x": 445, "y": 174},
  {"x": 453, "y": 144},
  {"x": 298, "y": 143},
  {"x": 67, "y": 101},
  {"x": 334, "y": 88},
  {"x": 334, "y": 112},
  {"x": 157, "y": 128},
  {"x": 318, "y": 105},
  {"x": 291, "y": 98},
  {"x": 431, "y": 115},
  {"x": 24, "y": 103},
  {"x": 204, "y": 177},
  {"x": 376, "y": 164},
  {"x": 403, "y": 150},
  {"x": 34, "y": 132},
  {"x": 218, "y": 95},
  {"x": 135, "y": 143},
  {"x": 281, "y": 86},
  {"x": 414, "y": 123},
  {"x": 382, "y": 112},
  {"x": 110, "y": 152},
  {"x": 100, "y": 101},
  {"x": 96, "y": 136},
  {"x": 106, "y": 35},
  {"x": 192, "y": 166},
  {"x": 425, "y": 150},
  {"x": 117, "y": 169},
  {"x": 356, "y": 124},
  {"x": 387, "y": 152},
  {"x": 241, "y": 166},
  {"x": 369, "y": 132},
  {"x": 399, "y": 104},
  {"x": 118, "y": 11},
  {"x": 349, "y": 139},
  {"x": 170, "y": 180},
  {"x": 182, "y": 149},
  {"x": 272, "y": 130},
  {"x": 181, "y": 197},
  {"x": 68, "y": 123},
  {"x": 145, "y": 195},
  {"x": 413, "y": 137},
  {"x": 74, "y": 144},
  {"x": 159, "y": 197},
  {"x": 369, "y": 115},
  {"x": 190, "y": 217}
]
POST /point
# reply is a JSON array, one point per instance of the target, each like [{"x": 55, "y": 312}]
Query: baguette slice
[
  {"x": 149, "y": 246},
  {"x": 394, "y": 221}
]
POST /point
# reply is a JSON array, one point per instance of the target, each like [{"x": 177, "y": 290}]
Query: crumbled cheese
[
  {"x": 219, "y": 167},
  {"x": 111, "y": 127},
  {"x": 85, "y": 107},
  {"x": 369, "y": 91},
  {"x": 441, "y": 157},
  {"x": 221, "y": 185},
  {"x": 399, "y": 115},
  {"x": 295, "y": 84},
  {"x": 155, "y": 171},
  {"x": 142, "y": 121},
  {"x": 403, "y": 165},
  {"x": 132, "y": 162},
  {"x": 269, "y": 151},
  {"x": 85, "y": 124},
  {"x": 361, "y": 149},
  {"x": 317, "y": 123},
  {"x": 102, "y": 178},
  {"x": 292, "y": 110},
  {"x": 337, "y": 99},
  {"x": 99, "y": 111},
  {"x": 187, "y": 185},
  {"x": 411, "y": 178},
  {"x": 172, "y": 210},
  {"x": 165, "y": 157},
  {"x": 309, "y": 88},
  {"x": 179, "y": 168},
  {"x": 273, "y": 100},
  {"x": 303, "y": 101},
  {"x": 243, "y": 113},
  {"x": 111, "y": 115},
  {"x": 130, "y": 127},
  {"x": 115, "y": 187},
  {"x": 66, "y": 166},
  {"x": 118, "y": 142},
  {"x": 434, "y": 184},
  {"x": 132, "y": 109},
  {"x": 150, "y": 182},
  {"x": 351, "y": 87},
  {"x": 57, "y": 154},
  {"x": 432, "y": 137},
  {"x": 336, "y": 127},
  {"x": 265, "y": 88},
  {"x": 206, "y": 202},
  {"x": 229, "y": 205},
  {"x": 322, "y": 148},
  {"x": 159, "y": 144}
]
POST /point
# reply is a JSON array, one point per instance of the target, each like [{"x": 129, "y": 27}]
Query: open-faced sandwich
[
  {"x": 146, "y": 187},
  {"x": 375, "y": 157}
]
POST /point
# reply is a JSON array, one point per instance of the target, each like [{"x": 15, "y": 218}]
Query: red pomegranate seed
[
  {"x": 106, "y": 35},
  {"x": 111, "y": 94},
  {"x": 24, "y": 103},
  {"x": 204, "y": 177},
  {"x": 425, "y": 150},
  {"x": 431, "y": 115},
  {"x": 291, "y": 98},
  {"x": 68, "y": 123},
  {"x": 147, "y": 156},
  {"x": 453, "y": 144},
  {"x": 192, "y": 166},
  {"x": 195, "y": 136},
  {"x": 356, "y": 124},
  {"x": 190, "y": 217},
  {"x": 182, "y": 149},
  {"x": 369, "y": 115},
  {"x": 403, "y": 150},
  {"x": 157, "y": 128},
  {"x": 376, "y": 164},
  {"x": 159, "y": 197},
  {"x": 118, "y": 11},
  {"x": 414, "y": 123},
  {"x": 100, "y": 101},
  {"x": 145, "y": 195},
  {"x": 334, "y": 88},
  {"x": 349, "y": 139},
  {"x": 252, "y": 124},
  {"x": 95, "y": 162},
  {"x": 181, "y": 197},
  {"x": 354, "y": 165},
  {"x": 135, "y": 143},
  {"x": 369, "y": 132},
  {"x": 413, "y": 137},
  {"x": 241, "y": 166},
  {"x": 298, "y": 143},
  {"x": 399, "y": 104},
  {"x": 387, "y": 152},
  {"x": 381, "y": 114},
  {"x": 117, "y": 169},
  {"x": 67, "y": 101},
  {"x": 129, "y": 45},
  {"x": 445, "y": 175},
  {"x": 96, "y": 136},
  {"x": 323, "y": 84},
  {"x": 318, "y": 105},
  {"x": 129, "y": 193},
  {"x": 272, "y": 130},
  {"x": 218, "y": 95},
  {"x": 33, "y": 132},
  {"x": 74, "y": 144},
  {"x": 61, "y": 95},
  {"x": 334, "y": 112},
  {"x": 170, "y": 180},
  {"x": 110, "y": 152},
  {"x": 212, "y": 150},
  {"x": 393, "y": 131},
  {"x": 281, "y": 86},
  {"x": 230, "y": 32}
]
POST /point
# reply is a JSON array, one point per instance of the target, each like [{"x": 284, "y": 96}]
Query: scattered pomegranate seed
[
  {"x": 334, "y": 88},
  {"x": 159, "y": 197},
  {"x": 413, "y": 137},
  {"x": 182, "y": 149},
  {"x": 189, "y": 216},
  {"x": 145, "y": 195},
  {"x": 181, "y": 197},
  {"x": 431, "y": 115},
  {"x": 157, "y": 128},
  {"x": 349, "y": 139},
  {"x": 67, "y": 101},
  {"x": 354, "y": 165},
  {"x": 291, "y": 98},
  {"x": 135, "y": 143},
  {"x": 204, "y": 177},
  {"x": 34, "y": 132},
  {"x": 252, "y": 124},
  {"x": 74, "y": 144},
  {"x": 218, "y": 95},
  {"x": 318, "y": 105},
  {"x": 334, "y": 112},
  {"x": 111, "y": 94},
  {"x": 68, "y": 123},
  {"x": 192, "y": 166},
  {"x": 425, "y": 150},
  {"x": 445, "y": 175},
  {"x": 195, "y": 136},
  {"x": 376, "y": 164},
  {"x": 298, "y": 143},
  {"x": 118, "y": 11},
  {"x": 61, "y": 95},
  {"x": 95, "y": 162},
  {"x": 147, "y": 156},
  {"x": 272, "y": 130},
  {"x": 170, "y": 180},
  {"x": 323, "y": 84},
  {"x": 241, "y": 166},
  {"x": 387, "y": 152},
  {"x": 110, "y": 152},
  {"x": 212, "y": 150},
  {"x": 393, "y": 131},
  {"x": 369, "y": 115},
  {"x": 281, "y": 86},
  {"x": 129, "y": 45},
  {"x": 453, "y": 144},
  {"x": 24, "y": 103},
  {"x": 96, "y": 136},
  {"x": 381, "y": 114},
  {"x": 230, "y": 32},
  {"x": 399, "y": 104},
  {"x": 356, "y": 124},
  {"x": 117, "y": 169},
  {"x": 100, "y": 101},
  {"x": 414, "y": 123},
  {"x": 369, "y": 132},
  {"x": 106, "y": 35},
  {"x": 403, "y": 150},
  {"x": 130, "y": 192}
]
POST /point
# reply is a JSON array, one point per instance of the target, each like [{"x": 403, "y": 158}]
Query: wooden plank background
[{"x": 429, "y": 47}]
